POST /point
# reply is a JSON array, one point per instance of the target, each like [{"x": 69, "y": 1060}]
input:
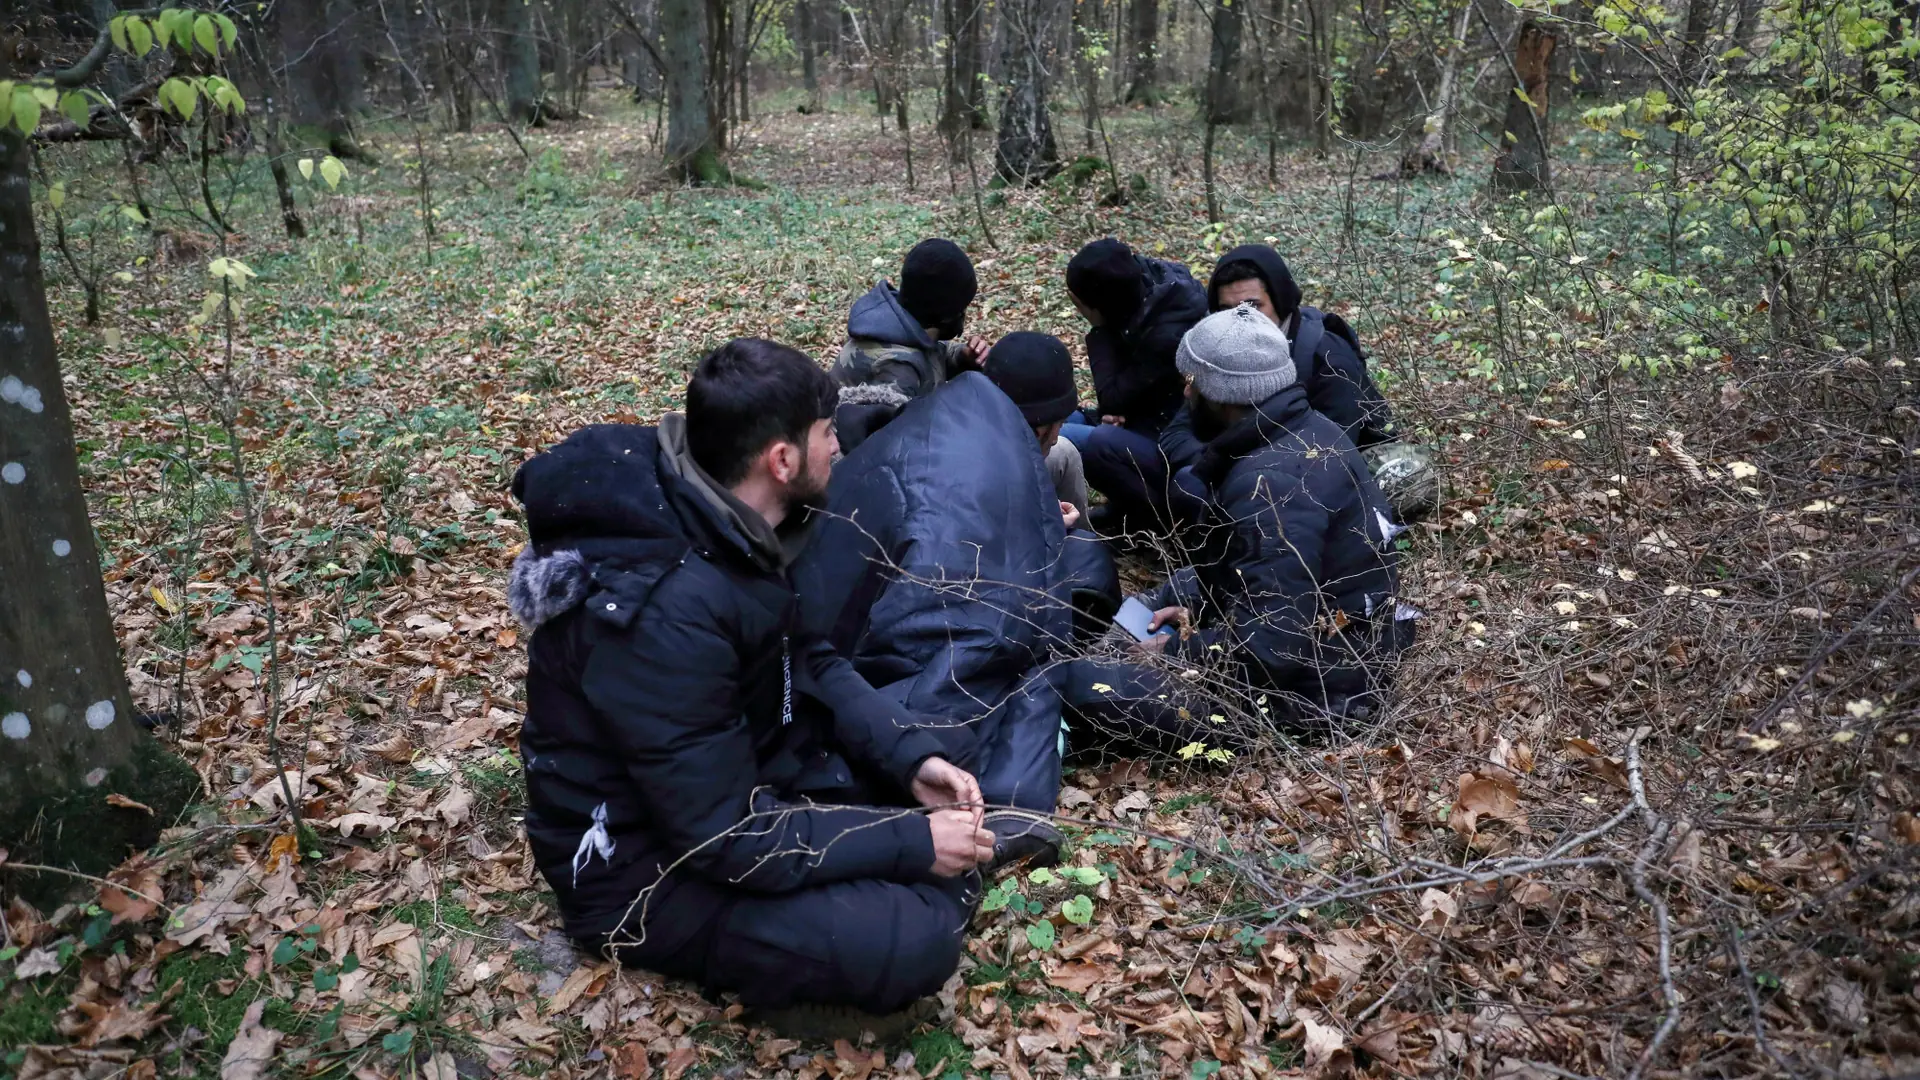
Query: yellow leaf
[
  {"x": 166, "y": 602},
  {"x": 1764, "y": 745},
  {"x": 306, "y": 168},
  {"x": 1102, "y": 688},
  {"x": 1192, "y": 750}
]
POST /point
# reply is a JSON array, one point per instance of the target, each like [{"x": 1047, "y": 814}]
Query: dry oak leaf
[
  {"x": 374, "y": 824},
  {"x": 571, "y": 990},
  {"x": 1325, "y": 1045},
  {"x": 1344, "y": 957},
  {"x": 1483, "y": 797},
  {"x": 121, "y": 801},
  {"x": 128, "y": 897},
  {"x": 630, "y": 1062},
  {"x": 679, "y": 1061},
  {"x": 1080, "y": 976},
  {"x": 1437, "y": 910},
  {"x": 440, "y": 1067},
  {"x": 456, "y": 808},
  {"x": 218, "y": 905},
  {"x": 37, "y": 963},
  {"x": 251, "y": 1051}
]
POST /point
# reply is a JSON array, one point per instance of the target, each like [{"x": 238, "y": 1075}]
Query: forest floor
[{"x": 1635, "y": 812}]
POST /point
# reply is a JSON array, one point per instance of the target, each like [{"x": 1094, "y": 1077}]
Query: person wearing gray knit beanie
[{"x": 1236, "y": 357}]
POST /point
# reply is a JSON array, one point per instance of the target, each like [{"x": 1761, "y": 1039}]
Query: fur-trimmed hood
[
  {"x": 544, "y": 587},
  {"x": 865, "y": 409}
]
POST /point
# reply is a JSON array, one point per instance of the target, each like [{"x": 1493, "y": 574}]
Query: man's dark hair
[
  {"x": 1239, "y": 270},
  {"x": 748, "y": 393}
]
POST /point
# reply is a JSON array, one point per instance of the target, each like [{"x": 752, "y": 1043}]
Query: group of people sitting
[{"x": 806, "y": 657}]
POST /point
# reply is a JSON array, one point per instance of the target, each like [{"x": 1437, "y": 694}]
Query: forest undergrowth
[{"x": 1645, "y": 805}]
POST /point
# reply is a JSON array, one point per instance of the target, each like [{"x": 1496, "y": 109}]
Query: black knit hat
[
  {"x": 1107, "y": 277},
  {"x": 937, "y": 282},
  {"x": 1037, "y": 373}
]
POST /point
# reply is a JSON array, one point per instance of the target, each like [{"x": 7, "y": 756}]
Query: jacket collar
[
  {"x": 1254, "y": 431},
  {"x": 769, "y": 548}
]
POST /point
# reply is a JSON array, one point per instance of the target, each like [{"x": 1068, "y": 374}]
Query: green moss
[
  {"x": 938, "y": 1049},
  {"x": 202, "y": 1005},
  {"x": 28, "y": 1009},
  {"x": 78, "y": 832},
  {"x": 424, "y": 914}
]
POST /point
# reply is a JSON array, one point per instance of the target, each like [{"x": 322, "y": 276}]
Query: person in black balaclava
[
  {"x": 909, "y": 338},
  {"x": 1138, "y": 308}
]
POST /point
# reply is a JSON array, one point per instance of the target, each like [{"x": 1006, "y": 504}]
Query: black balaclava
[
  {"x": 1273, "y": 271},
  {"x": 1107, "y": 277},
  {"x": 1036, "y": 371},
  {"x": 936, "y": 285}
]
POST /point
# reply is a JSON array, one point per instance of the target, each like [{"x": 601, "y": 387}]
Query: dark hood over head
[
  {"x": 602, "y": 483},
  {"x": 879, "y": 316},
  {"x": 1273, "y": 270}
]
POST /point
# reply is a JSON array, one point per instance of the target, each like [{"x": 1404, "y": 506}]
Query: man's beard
[
  {"x": 1208, "y": 422},
  {"x": 807, "y": 493}
]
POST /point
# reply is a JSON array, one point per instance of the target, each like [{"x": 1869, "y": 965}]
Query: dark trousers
[
  {"x": 1125, "y": 464},
  {"x": 874, "y": 945},
  {"x": 1127, "y": 706}
]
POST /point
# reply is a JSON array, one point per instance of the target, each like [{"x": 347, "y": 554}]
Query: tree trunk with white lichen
[{"x": 67, "y": 733}]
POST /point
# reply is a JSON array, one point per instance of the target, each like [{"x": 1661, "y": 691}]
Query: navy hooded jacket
[
  {"x": 1134, "y": 375},
  {"x": 658, "y": 741},
  {"x": 1326, "y": 352},
  {"x": 1295, "y": 556},
  {"x": 939, "y": 571}
]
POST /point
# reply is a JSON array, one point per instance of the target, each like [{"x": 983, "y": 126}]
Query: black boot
[{"x": 1019, "y": 837}]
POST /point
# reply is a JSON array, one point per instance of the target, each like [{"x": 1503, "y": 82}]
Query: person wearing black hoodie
[
  {"x": 1333, "y": 371},
  {"x": 909, "y": 338},
  {"x": 689, "y": 816},
  {"x": 1138, "y": 308}
]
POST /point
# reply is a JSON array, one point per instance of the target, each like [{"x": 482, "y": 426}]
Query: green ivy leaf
[
  {"x": 26, "y": 110},
  {"x": 139, "y": 36},
  {"x": 1204, "y": 1068},
  {"x": 1079, "y": 910},
  {"x": 1040, "y": 935},
  {"x": 284, "y": 952},
  {"x": 73, "y": 106},
  {"x": 398, "y": 1042},
  {"x": 326, "y": 980},
  {"x": 1083, "y": 875},
  {"x": 1042, "y": 876},
  {"x": 207, "y": 35},
  {"x": 351, "y": 964}
]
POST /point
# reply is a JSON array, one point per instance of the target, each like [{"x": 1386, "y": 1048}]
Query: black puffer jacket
[
  {"x": 1296, "y": 559},
  {"x": 665, "y": 650},
  {"x": 1133, "y": 370},
  {"x": 1326, "y": 352},
  {"x": 939, "y": 571}
]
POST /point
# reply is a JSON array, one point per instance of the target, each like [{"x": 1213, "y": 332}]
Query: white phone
[{"x": 1134, "y": 617}]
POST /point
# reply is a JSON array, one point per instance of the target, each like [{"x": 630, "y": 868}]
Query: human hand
[
  {"x": 959, "y": 843},
  {"x": 1154, "y": 645},
  {"x": 1175, "y": 616},
  {"x": 977, "y": 348},
  {"x": 1069, "y": 513},
  {"x": 941, "y": 783},
  {"x": 1113, "y": 419}
]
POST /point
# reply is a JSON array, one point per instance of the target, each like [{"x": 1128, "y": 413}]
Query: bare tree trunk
[
  {"x": 1223, "y": 75},
  {"x": 693, "y": 152},
  {"x": 1320, "y": 79},
  {"x": 1086, "y": 21},
  {"x": 66, "y": 720},
  {"x": 323, "y": 59},
  {"x": 1431, "y": 155},
  {"x": 1745, "y": 21},
  {"x": 809, "y": 75},
  {"x": 1145, "y": 87},
  {"x": 1693, "y": 40},
  {"x": 520, "y": 51},
  {"x": 1522, "y": 164},
  {"x": 960, "y": 83},
  {"x": 1026, "y": 153}
]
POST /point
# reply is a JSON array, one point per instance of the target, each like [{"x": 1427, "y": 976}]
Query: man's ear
[{"x": 784, "y": 461}]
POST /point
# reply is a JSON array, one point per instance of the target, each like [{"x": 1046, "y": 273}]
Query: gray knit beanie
[{"x": 1237, "y": 357}]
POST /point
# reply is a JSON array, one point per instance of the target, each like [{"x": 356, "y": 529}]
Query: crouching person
[
  {"x": 944, "y": 572},
  {"x": 693, "y": 815},
  {"x": 1293, "y": 592}
]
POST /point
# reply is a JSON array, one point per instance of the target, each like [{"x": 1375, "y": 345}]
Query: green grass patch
[{"x": 426, "y": 913}]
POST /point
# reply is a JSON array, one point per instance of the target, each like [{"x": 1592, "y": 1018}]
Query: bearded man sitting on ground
[{"x": 712, "y": 792}]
